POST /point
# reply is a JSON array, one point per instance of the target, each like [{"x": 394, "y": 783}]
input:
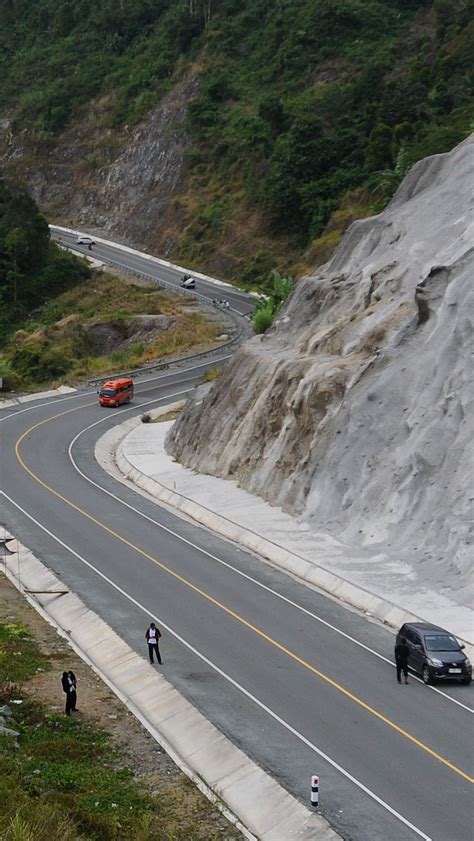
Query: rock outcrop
[
  {"x": 122, "y": 184},
  {"x": 355, "y": 410}
]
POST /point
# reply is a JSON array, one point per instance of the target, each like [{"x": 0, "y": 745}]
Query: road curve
[
  {"x": 160, "y": 270},
  {"x": 294, "y": 678}
]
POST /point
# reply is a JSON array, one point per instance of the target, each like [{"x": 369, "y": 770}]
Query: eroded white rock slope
[{"x": 356, "y": 410}]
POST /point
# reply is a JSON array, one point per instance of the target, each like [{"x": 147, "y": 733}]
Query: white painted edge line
[
  {"x": 216, "y": 669},
  {"x": 267, "y": 807},
  {"x": 109, "y": 443},
  {"x": 145, "y": 256},
  {"x": 329, "y": 582},
  {"x": 121, "y": 477}
]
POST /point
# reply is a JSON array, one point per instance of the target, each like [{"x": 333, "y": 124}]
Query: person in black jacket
[
  {"x": 402, "y": 652},
  {"x": 69, "y": 684},
  {"x": 152, "y": 635}
]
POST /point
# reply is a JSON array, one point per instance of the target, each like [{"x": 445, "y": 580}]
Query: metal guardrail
[
  {"x": 160, "y": 366},
  {"x": 166, "y": 284}
]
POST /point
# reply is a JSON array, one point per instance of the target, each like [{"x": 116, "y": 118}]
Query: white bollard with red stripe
[{"x": 315, "y": 791}]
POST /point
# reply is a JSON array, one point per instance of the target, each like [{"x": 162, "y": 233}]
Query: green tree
[
  {"x": 268, "y": 306},
  {"x": 379, "y": 150},
  {"x": 31, "y": 266}
]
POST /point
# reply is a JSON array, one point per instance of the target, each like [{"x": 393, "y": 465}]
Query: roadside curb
[
  {"x": 27, "y": 398},
  {"x": 352, "y": 594},
  {"x": 254, "y": 802}
]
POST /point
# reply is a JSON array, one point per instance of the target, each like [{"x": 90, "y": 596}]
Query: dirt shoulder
[{"x": 167, "y": 805}]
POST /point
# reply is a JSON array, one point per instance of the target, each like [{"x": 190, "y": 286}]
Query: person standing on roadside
[
  {"x": 152, "y": 635},
  {"x": 69, "y": 684},
  {"x": 73, "y": 682},
  {"x": 402, "y": 653}
]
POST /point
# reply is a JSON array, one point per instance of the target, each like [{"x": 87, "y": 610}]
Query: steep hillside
[
  {"x": 226, "y": 133},
  {"x": 32, "y": 267},
  {"x": 355, "y": 409}
]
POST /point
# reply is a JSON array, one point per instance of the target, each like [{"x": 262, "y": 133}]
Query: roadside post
[{"x": 315, "y": 791}]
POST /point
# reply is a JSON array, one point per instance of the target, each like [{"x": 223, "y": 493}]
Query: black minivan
[{"x": 435, "y": 653}]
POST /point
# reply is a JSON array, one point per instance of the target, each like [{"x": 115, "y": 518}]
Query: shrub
[
  {"x": 137, "y": 348},
  {"x": 12, "y": 380},
  {"x": 266, "y": 308},
  {"x": 37, "y": 362},
  {"x": 263, "y": 318}
]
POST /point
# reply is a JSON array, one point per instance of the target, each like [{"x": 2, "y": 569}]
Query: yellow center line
[{"x": 228, "y": 610}]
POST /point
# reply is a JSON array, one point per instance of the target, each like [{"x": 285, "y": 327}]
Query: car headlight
[
  {"x": 467, "y": 662},
  {"x": 435, "y": 662}
]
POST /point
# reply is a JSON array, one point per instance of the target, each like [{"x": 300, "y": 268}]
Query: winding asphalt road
[
  {"x": 169, "y": 274},
  {"x": 301, "y": 683}
]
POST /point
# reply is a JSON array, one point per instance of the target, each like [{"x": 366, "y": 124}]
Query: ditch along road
[{"x": 298, "y": 681}]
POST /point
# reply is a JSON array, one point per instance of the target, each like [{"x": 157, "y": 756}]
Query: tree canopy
[
  {"x": 32, "y": 268},
  {"x": 300, "y": 101}
]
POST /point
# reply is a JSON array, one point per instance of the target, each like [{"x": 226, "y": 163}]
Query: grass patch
[
  {"x": 211, "y": 375},
  {"x": 64, "y": 779},
  {"x": 56, "y": 344},
  {"x": 66, "y": 768},
  {"x": 20, "y": 656}
]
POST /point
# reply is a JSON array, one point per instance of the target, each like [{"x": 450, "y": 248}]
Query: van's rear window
[{"x": 108, "y": 392}]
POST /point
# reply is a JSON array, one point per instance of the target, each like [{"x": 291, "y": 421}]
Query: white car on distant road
[{"x": 84, "y": 240}]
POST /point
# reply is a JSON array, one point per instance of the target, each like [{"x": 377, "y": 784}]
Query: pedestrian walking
[
  {"x": 152, "y": 635},
  {"x": 69, "y": 684},
  {"x": 402, "y": 652}
]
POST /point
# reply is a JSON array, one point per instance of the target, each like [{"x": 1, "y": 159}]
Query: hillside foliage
[
  {"x": 301, "y": 101},
  {"x": 32, "y": 267}
]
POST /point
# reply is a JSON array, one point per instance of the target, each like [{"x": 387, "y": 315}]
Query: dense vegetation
[
  {"x": 32, "y": 267},
  {"x": 302, "y": 102},
  {"x": 269, "y": 304}
]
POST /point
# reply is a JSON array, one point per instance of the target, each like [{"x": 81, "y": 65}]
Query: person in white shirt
[{"x": 152, "y": 635}]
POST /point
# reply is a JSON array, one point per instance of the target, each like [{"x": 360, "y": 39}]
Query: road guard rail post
[{"x": 314, "y": 791}]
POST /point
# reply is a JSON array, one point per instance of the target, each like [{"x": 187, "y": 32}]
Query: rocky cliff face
[
  {"x": 121, "y": 183},
  {"x": 355, "y": 410}
]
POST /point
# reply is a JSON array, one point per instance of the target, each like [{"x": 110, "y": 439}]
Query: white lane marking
[
  {"x": 54, "y": 401},
  {"x": 238, "y": 571},
  {"x": 226, "y": 677}
]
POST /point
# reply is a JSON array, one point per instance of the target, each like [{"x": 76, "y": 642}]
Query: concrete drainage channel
[{"x": 257, "y": 805}]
